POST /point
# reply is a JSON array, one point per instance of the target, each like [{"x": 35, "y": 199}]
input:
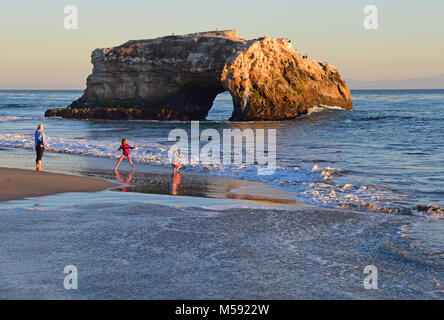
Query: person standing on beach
[
  {"x": 125, "y": 147},
  {"x": 40, "y": 144}
]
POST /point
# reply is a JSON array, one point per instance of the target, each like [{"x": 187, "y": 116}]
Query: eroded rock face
[{"x": 178, "y": 78}]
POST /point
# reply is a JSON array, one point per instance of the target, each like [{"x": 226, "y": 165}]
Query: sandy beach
[
  {"x": 94, "y": 174},
  {"x": 18, "y": 184}
]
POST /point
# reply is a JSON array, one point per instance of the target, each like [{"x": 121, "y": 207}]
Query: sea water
[{"x": 385, "y": 155}]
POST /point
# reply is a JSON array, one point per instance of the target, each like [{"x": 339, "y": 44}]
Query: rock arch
[{"x": 178, "y": 78}]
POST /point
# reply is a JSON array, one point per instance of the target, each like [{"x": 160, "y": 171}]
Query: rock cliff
[{"x": 178, "y": 78}]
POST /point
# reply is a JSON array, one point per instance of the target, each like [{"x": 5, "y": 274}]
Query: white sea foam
[
  {"x": 15, "y": 118},
  {"x": 315, "y": 185},
  {"x": 321, "y": 107},
  {"x": 327, "y": 173},
  {"x": 148, "y": 153}
]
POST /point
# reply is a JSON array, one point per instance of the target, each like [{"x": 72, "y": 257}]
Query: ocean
[
  {"x": 371, "y": 179},
  {"x": 386, "y": 155}
]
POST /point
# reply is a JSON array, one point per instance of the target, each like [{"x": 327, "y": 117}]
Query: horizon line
[{"x": 368, "y": 89}]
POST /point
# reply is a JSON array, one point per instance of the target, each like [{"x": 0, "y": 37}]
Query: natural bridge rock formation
[{"x": 178, "y": 78}]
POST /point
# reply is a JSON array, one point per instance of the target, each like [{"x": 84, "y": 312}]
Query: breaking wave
[
  {"x": 20, "y": 118},
  {"x": 320, "y": 108}
]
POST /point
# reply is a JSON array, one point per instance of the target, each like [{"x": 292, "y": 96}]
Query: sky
[{"x": 37, "y": 52}]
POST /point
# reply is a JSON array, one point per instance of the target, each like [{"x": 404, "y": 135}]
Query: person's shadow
[{"x": 126, "y": 180}]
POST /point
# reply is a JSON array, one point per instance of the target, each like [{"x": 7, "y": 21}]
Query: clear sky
[{"x": 36, "y": 52}]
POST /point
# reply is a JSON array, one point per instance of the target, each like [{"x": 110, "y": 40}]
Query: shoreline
[
  {"x": 154, "y": 179},
  {"x": 19, "y": 184},
  {"x": 149, "y": 179}
]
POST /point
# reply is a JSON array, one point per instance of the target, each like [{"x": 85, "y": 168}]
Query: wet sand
[
  {"x": 195, "y": 185},
  {"x": 151, "y": 251},
  {"x": 151, "y": 179},
  {"x": 16, "y": 184}
]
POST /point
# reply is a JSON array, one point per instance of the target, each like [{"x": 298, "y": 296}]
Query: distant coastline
[{"x": 426, "y": 83}]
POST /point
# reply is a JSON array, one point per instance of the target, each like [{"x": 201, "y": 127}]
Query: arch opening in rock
[
  {"x": 222, "y": 108},
  {"x": 195, "y": 101}
]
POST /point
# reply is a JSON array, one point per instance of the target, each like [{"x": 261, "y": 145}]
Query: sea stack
[{"x": 178, "y": 78}]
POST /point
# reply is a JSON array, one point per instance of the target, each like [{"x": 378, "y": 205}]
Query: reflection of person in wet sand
[
  {"x": 175, "y": 162},
  {"x": 126, "y": 181},
  {"x": 176, "y": 181}
]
